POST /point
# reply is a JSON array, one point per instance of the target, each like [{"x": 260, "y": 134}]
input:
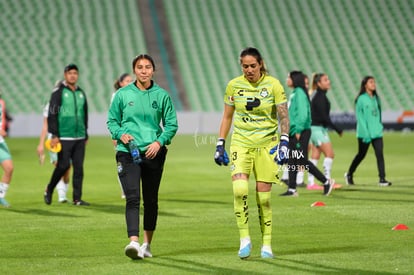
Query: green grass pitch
[{"x": 197, "y": 232}]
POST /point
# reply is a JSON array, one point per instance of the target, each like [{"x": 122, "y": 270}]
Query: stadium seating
[
  {"x": 40, "y": 37},
  {"x": 346, "y": 39}
]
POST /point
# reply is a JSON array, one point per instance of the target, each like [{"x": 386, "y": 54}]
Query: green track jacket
[
  {"x": 368, "y": 115},
  {"x": 140, "y": 113},
  {"x": 68, "y": 113},
  {"x": 299, "y": 112}
]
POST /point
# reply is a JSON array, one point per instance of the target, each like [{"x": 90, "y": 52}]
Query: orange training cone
[
  {"x": 400, "y": 226},
  {"x": 318, "y": 203}
]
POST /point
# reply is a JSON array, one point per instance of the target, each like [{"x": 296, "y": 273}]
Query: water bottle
[{"x": 133, "y": 149}]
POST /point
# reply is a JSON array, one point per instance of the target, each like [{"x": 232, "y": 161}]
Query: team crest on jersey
[
  {"x": 264, "y": 92},
  {"x": 119, "y": 167},
  {"x": 131, "y": 103},
  {"x": 154, "y": 105}
]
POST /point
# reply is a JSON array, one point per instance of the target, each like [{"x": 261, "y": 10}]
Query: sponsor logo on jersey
[{"x": 249, "y": 119}]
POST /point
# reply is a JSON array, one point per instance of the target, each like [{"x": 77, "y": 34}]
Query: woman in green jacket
[
  {"x": 134, "y": 119},
  {"x": 299, "y": 135},
  {"x": 369, "y": 129}
]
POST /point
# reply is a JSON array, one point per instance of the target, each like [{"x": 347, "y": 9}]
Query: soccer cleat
[
  {"x": 314, "y": 187},
  {"x": 47, "y": 197},
  {"x": 4, "y": 203},
  {"x": 328, "y": 187},
  {"x": 290, "y": 193},
  {"x": 146, "y": 249},
  {"x": 266, "y": 252},
  {"x": 384, "y": 182},
  {"x": 244, "y": 252},
  {"x": 81, "y": 202},
  {"x": 134, "y": 251},
  {"x": 348, "y": 179}
]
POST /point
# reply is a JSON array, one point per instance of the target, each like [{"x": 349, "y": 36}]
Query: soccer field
[{"x": 197, "y": 232}]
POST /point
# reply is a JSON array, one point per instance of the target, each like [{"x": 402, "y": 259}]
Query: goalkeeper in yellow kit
[{"x": 254, "y": 102}]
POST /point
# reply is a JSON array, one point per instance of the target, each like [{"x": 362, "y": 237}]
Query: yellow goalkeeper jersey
[{"x": 255, "y": 118}]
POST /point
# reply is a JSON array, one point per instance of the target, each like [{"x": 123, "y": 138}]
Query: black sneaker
[
  {"x": 81, "y": 202},
  {"x": 384, "y": 182},
  {"x": 348, "y": 179},
  {"x": 47, "y": 196},
  {"x": 290, "y": 193},
  {"x": 328, "y": 186}
]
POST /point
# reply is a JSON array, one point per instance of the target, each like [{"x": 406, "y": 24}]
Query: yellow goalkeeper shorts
[{"x": 257, "y": 160}]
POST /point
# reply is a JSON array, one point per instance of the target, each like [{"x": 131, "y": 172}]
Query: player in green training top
[
  {"x": 369, "y": 129},
  {"x": 141, "y": 113},
  {"x": 254, "y": 102}
]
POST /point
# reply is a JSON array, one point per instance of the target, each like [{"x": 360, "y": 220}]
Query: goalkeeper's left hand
[
  {"x": 282, "y": 150},
  {"x": 221, "y": 157}
]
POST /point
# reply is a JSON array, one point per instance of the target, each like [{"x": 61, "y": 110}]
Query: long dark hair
[
  {"x": 256, "y": 54},
  {"x": 121, "y": 78},
  {"x": 363, "y": 91},
  {"x": 298, "y": 81},
  {"x": 362, "y": 87}
]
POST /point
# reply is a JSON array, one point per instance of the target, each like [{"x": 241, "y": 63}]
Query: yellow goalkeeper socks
[
  {"x": 265, "y": 216},
  {"x": 241, "y": 209}
]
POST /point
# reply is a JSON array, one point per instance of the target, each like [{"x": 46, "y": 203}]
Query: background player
[
  {"x": 300, "y": 125},
  {"x": 5, "y": 157},
  {"x": 369, "y": 129},
  {"x": 63, "y": 185},
  {"x": 321, "y": 121},
  {"x": 123, "y": 80}
]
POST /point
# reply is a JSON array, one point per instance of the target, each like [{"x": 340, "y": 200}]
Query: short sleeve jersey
[{"x": 255, "y": 118}]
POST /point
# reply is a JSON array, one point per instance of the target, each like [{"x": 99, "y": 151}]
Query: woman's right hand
[{"x": 125, "y": 138}]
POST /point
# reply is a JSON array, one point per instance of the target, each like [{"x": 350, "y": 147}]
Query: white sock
[
  {"x": 311, "y": 178},
  {"x": 61, "y": 188},
  {"x": 3, "y": 189},
  {"x": 327, "y": 167},
  {"x": 285, "y": 175},
  {"x": 299, "y": 177}
]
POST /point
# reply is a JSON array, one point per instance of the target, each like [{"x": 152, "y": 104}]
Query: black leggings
[
  {"x": 149, "y": 172},
  {"x": 378, "y": 145},
  {"x": 298, "y": 156}
]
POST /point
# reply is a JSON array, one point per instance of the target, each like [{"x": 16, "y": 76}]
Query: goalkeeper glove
[
  {"x": 282, "y": 150},
  {"x": 221, "y": 157}
]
